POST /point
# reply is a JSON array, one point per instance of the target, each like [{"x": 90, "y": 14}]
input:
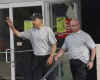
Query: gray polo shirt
[
  {"x": 41, "y": 39},
  {"x": 78, "y": 45}
]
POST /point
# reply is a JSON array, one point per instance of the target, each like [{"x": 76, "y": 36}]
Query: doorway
[{"x": 12, "y": 70}]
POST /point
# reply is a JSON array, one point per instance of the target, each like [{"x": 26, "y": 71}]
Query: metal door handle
[{"x": 7, "y": 61}]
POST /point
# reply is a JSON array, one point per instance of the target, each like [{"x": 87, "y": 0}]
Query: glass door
[
  {"x": 22, "y": 21},
  {"x": 5, "y": 67}
]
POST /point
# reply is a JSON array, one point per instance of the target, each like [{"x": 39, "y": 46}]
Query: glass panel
[
  {"x": 62, "y": 15},
  {"x": 22, "y": 21},
  {"x": 65, "y": 72},
  {"x": 5, "y": 72}
]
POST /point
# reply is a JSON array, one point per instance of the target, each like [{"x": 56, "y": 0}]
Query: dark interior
[
  {"x": 90, "y": 23},
  {"x": 90, "y": 18}
]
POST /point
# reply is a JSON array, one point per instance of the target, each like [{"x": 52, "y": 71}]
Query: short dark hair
[{"x": 35, "y": 17}]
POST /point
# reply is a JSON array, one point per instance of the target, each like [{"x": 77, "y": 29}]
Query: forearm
[
  {"x": 93, "y": 54},
  {"x": 16, "y": 32},
  {"x": 53, "y": 51},
  {"x": 60, "y": 53}
]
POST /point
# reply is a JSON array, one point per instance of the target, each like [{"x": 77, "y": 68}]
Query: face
[
  {"x": 37, "y": 22},
  {"x": 75, "y": 26}
]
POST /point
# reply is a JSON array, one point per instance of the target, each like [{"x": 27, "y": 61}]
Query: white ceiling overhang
[{"x": 51, "y": 1}]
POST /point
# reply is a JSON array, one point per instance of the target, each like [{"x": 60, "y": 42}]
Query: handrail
[
  {"x": 7, "y": 56},
  {"x": 51, "y": 70},
  {"x": 21, "y": 51},
  {"x": 56, "y": 63}
]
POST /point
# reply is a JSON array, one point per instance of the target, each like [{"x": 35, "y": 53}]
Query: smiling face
[{"x": 75, "y": 25}]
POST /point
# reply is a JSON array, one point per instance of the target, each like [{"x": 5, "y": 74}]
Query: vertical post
[
  {"x": 75, "y": 9},
  {"x": 46, "y": 13},
  {"x": 43, "y": 12},
  {"x": 79, "y": 12},
  {"x": 12, "y": 46}
]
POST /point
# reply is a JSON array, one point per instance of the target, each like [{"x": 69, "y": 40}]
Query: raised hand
[{"x": 9, "y": 22}]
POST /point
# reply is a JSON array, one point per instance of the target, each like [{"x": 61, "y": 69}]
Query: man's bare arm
[
  {"x": 93, "y": 54},
  {"x": 92, "y": 57},
  {"x": 16, "y": 32},
  {"x": 60, "y": 53},
  {"x": 53, "y": 51}
]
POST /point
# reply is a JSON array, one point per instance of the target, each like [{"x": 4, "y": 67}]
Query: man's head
[
  {"x": 75, "y": 25},
  {"x": 37, "y": 21}
]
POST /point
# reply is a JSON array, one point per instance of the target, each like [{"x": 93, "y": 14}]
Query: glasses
[{"x": 74, "y": 25}]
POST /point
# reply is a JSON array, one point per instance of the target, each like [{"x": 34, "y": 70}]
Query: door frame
[
  {"x": 6, "y": 6},
  {"x": 43, "y": 4},
  {"x": 10, "y": 6}
]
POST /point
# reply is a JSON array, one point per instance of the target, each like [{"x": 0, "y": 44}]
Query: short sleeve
[
  {"x": 89, "y": 42},
  {"x": 52, "y": 38},
  {"x": 26, "y": 34},
  {"x": 64, "y": 46}
]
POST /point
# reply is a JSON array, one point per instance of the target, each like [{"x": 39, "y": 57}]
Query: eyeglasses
[{"x": 74, "y": 25}]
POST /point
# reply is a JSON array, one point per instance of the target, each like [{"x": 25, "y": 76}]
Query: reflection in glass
[{"x": 22, "y": 21}]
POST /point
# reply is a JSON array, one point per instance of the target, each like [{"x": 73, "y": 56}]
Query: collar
[{"x": 78, "y": 31}]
